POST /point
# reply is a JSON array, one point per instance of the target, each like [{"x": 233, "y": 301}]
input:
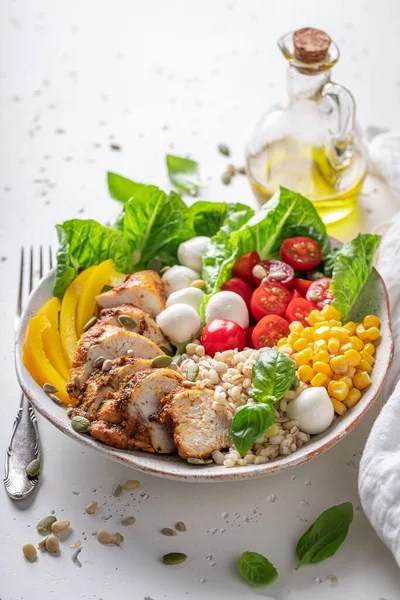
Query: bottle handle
[{"x": 340, "y": 144}]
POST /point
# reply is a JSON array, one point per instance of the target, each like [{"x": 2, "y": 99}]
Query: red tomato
[
  {"x": 319, "y": 292},
  {"x": 239, "y": 287},
  {"x": 301, "y": 253},
  {"x": 269, "y": 331},
  {"x": 277, "y": 272},
  {"x": 295, "y": 294},
  {"x": 301, "y": 285},
  {"x": 243, "y": 267},
  {"x": 298, "y": 310},
  {"x": 269, "y": 299},
  {"x": 219, "y": 335},
  {"x": 249, "y": 333}
]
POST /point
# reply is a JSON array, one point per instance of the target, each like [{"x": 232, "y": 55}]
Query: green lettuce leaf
[
  {"x": 120, "y": 188},
  {"x": 83, "y": 243},
  {"x": 183, "y": 173},
  {"x": 208, "y": 217},
  {"x": 351, "y": 269}
]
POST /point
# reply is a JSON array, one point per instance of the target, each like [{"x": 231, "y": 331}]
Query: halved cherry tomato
[
  {"x": 319, "y": 292},
  {"x": 295, "y": 294},
  {"x": 277, "y": 272},
  {"x": 269, "y": 299},
  {"x": 269, "y": 331},
  {"x": 243, "y": 267},
  {"x": 249, "y": 333},
  {"x": 239, "y": 287},
  {"x": 219, "y": 335},
  {"x": 301, "y": 253},
  {"x": 298, "y": 310},
  {"x": 301, "y": 285}
]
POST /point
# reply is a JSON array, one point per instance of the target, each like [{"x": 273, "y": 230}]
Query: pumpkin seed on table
[
  {"x": 127, "y": 322},
  {"x": 104, "y": 537},
  {"x": 33, "y": 469},
  {"x": 161, "y": 362},
  {"x": 224, "y": 150},
  {"x": 52, "y": 544},
  {"x": 180, "y": 526},
  {"x": 128, "y": 521},
  {"x": 91, "y": 508},
  {"x": 98, "y": 363},
  {"x": 192, "y": 372},
  {"x": 44, "y": 525},
  {"x": 226, "y": 178},
  {"x": 30, "y": 552},
  {"x": 107, "y": 364},
  {"x": 80, "y": 424},
  {"x": 42, "y": 543},
  {"x": 131, "y": 484},
  {"x": 48, "y": 388},
  {"x": 90, "y": 323},
  {"x": 173, "y": 558},
  {"x": 117, "y": 491},
  {"x": 59, "y": 526},
  {"x": 167, "y": 531}
]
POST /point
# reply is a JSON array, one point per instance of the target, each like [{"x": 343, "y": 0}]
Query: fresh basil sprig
[
  {"x": 273, "y": 374},
  {"x": 256, "y": 569},
  {"x": 249, "y": 425},
  {"x": 183, "y": 173},
  {"x": 326, "y": 535}
]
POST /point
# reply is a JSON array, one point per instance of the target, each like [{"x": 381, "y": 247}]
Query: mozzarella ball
[
  {"x": 177, "y": 278},
  {"x": 191, "y": 252},
  {"x": 229, "y": 306},
  {"x": 312, "y": 409},
  {"x": 179, "y": 322},
  {"x": 191, "y": 296}
]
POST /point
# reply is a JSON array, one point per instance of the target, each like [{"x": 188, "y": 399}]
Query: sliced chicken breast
[
  {"x": 197, "y": 429},
  {"x": 143, "y": 289},
  {"x": 119, "y": 436}
]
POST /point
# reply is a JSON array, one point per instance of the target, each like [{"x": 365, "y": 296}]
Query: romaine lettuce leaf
[
  {"x": 351, "y": 269},
  {"x": 121, "y": 188},
  {"x": 208, "y": 217},
  {"x": 183, "y": 173}
]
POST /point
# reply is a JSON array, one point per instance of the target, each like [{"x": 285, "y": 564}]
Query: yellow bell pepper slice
[
  {"x": 69, "y": 303},
  {"x": 36, "y": 361},
  {"x": 99, "y": 277},
  {"x": 51, "y": 337}
]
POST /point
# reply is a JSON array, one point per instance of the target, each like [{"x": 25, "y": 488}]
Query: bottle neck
[{"x": 306, "y": 85}]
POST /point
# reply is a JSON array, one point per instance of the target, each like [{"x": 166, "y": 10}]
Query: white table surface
[{"x": 156, "y": 77}]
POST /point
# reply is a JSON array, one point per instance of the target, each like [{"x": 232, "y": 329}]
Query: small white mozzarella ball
[
  {"x": 191, "y": 296},
  {"x": 191, "y": 252},
  {"x": 229, "y": 306},
  {"x": 179, "y": 322},
  {"x": 177, "y": 278},
  {"x": 312, "y": 409}
]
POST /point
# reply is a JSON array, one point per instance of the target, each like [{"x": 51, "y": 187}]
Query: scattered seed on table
[
  {"x": 42, "y": 543},
  {"x": 44, "y": 525},
  {"x": 241, "y": 170},
  {"x": 117, "y": 491},
  {"x": 173, "y": 558},
  {"x": 161, "y": 362},
  {"x": 107, "y": 364},
  {"x": 91, "y": 508},
  {"x": 33, "y": 469},
  {"x": 128, "y": 521},
  {"x": 180, "y": 526},
  {"x": 30, "y": 552},
  {"x": 80, "y": 424},
  {"x": 168, "y": 531},
  {"x": 104, "y": 537},
  {"x": 77, "y": 544},
  {"x": 52, "y": 544},
  {"x": 131, "y": 484},
  {"x": 117, "y": 538},
  {"x": 59, "y": 526},
  {"x": 192, "y": 372},
  {"x": 90, "y": 323},
  {"x": 48, "y": 388},
  {"x": 226, "y": 178},
  {"x": 223, "y": 149}
]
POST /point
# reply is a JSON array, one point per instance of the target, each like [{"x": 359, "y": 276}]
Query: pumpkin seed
[
  {"x": 177, "y": 359},
  {"x": 33, "y": 469},
  {"x": 42, "y": 543},
  {"x": 117, "y": 491},
  {"x": 80, "y": 424},
  {"x": 198, "y": 283},
  {"x": 199, "y": 461},
  {"x": 174, "y": 558},
  {"x": 98, "y": 363},
  {"x": 226, "y": 178},
  {"x": 44, "y": 525},
  {"x": 52, "y": 544},
  {"x": 192, "y": 372},
  {"x": 131, "y": 484},
  {"x": 91, "y": 508},
  {"x": 104, "y": 537},
  {"x": 59, "y": 526},
  {"x": 224, "y": 150},
  {"x": 128, "y": 521},
  {"x": 30, "y": 552},
  {"x": 48, "y": 388},
  {"x": 168, "y": 531},
  {"x": 55, "y": 399},
  {"x": 77, "y": 382},
  {"x": 241, "y": 170},
  {"x": 155, "y": 264},
  {"x": 76, "y": 545},
  {"x": 127, "y": 322},
  {"x": 168, "y": 351},
  {"x": 164, "y": 270},
  {"x": 90, "y": 323},
  {"x": 70, "y": 409},
  {"x": 161, "y": 362},
  {"x": 231, "y": 169},
  {"x": 107, "y": 364},
  {"x": 117, "y": 538},
  {"x": 180, "y": 526}
]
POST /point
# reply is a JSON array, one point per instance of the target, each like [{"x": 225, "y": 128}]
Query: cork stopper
[{"x": 311, "y": 45}]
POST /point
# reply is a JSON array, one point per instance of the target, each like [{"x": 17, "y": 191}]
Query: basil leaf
[
  {"x": 273, "y": 375},
  {"x": 183, "y": 173},
  {"x": 256, "y": 569},
  {"x": 208, "y": 217},
  {"x": 83, "y": 243},
  {"x": 120, "y": 188},
  {"x": 326, "y": 535},
  {"x": 249, "y": 425},
  {"x": 351, "y": 269}
]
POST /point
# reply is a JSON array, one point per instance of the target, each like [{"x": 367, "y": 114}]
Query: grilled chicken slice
[
  {"x": 197, "y": 429},
  {"x": 134, "y": 437},
  {"x": 143, "y": 289},
  {"x": 108, "y": 342}
]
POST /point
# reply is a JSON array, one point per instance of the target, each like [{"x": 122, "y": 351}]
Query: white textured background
[{"x": 155, "y": 76}]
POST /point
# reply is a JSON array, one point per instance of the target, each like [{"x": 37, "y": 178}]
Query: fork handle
[{"x": 22, "y": 449}]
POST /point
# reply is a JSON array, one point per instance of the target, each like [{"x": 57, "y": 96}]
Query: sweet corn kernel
[
  {"x": 320, "y": 345},
  {"x": 334, "y": 323},
  {"x": 300, "y": 344},
  {"x": 320, "y": 379},
  {"x": 339, "y": 364},
  {"x": 372, "y": 334},
  {"x": 333, "y": 345},
  {"x": 296, "y": 326},
  {"x": 338, "y": 406},
  {"x": 351, "y": 371},
  {"x": 322, "y": 356},
  {"x": 292, "y": 338},
  {"x": 370, "y": 348},
  {"x": 305, "y": 373},
  {"x": 303, "y": 357},
  {"x": 273, "y": 430},
  {"x": 361, "y": 380},
  {"x": 353, "y": 397},
  {"x": 341, "y": 333},
  {"x": 356, "y": 343},
  {"x": 338, "y": 390},
  {"x": 308, "y": 333},
  {"x": 364, "y": 366},
  {"x": 322, "y": 367},
  {"x": 347, "y": 381},
  {"x": 351, "y": 327},
  {"x": 321, "y": 324},
  {"x": 329, "y": 312},
  {"x": 371, "y": 321},
  {"x": 345, "y": 347},
  {"x": 365, "y": 355},
  {"x": 286, "y": 349},
  {"x": 282, "y": 341},
  {"x": 353, "y": 357},
  {"x": 322, "y": 333},
  {"x": 361, "y": 332},
  {"x": 314, "y": 317}
]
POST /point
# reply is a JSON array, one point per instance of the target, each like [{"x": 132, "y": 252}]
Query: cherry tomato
[
  {"x": 239, "y": 287},
  {"x": 219, "y": 335},
  {"x": 301, "y": 253},
  {"x": 319, "y": 292},
  {"x": 269, "y": 331},
  {"x": 269, "y": 299},
  {"x": 249, "y": 333},
  {"x": 298, "y": 310},
  {"x": 243, "y": 267},
  {"x": 301, "y": 285},
  {"x": 277, "y": 272},
  {"x": 295, "y": 294}
]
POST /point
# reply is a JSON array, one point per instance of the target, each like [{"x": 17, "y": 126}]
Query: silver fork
[{"x": 24, "y": 442}]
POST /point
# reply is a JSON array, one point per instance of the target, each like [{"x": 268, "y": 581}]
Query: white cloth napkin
[{"x": 379, "y": 476}]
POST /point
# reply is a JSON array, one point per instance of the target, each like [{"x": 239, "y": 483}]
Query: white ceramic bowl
[{"x": 373, "y": 300}]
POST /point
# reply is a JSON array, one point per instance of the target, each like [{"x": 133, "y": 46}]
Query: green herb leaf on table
[
  {"x": 249, "y": 425},
  {"x": 208, "y": 217},
  {"x": 273, "y": 375},
  {"x": 326, "y": 535},
  {"x": 351, "y": 269},
  {"x": 183, "y": 173},
  {"x": 256, "y": 569},
  {"x": 121, "y": 188}
]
